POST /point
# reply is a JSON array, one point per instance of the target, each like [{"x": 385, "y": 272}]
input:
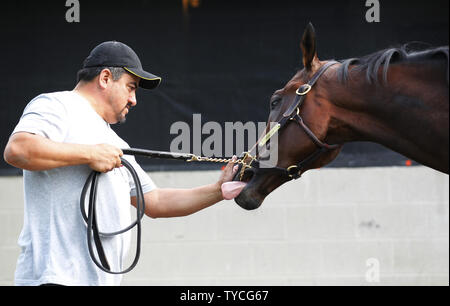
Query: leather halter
[{"x": 293, "y": 114}]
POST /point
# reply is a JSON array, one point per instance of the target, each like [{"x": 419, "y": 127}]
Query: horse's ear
[{"x": 308, "y": 47}]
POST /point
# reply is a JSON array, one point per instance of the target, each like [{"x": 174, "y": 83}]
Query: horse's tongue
[{"x": 230, "y": 190}]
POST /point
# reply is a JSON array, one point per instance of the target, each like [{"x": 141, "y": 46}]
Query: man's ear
[
  {"x": 104, "y": 78},
  {"x": 308, "y": 46}
]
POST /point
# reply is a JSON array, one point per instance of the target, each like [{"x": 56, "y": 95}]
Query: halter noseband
[{"x": 293, "y": 114}]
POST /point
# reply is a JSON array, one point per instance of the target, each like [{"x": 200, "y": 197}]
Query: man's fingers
[{"x": 231, "y": 163}]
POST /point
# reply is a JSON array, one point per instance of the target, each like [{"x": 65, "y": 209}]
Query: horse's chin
[{"x": 249, "y": 199}]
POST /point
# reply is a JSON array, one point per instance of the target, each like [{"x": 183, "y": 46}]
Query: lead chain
[{"x": 239, "y": 161}]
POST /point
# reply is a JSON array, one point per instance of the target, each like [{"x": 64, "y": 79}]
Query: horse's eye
[{"x": 274, "y": 103}]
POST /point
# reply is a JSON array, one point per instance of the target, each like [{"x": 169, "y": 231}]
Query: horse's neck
[{"x": 408, "y": 115}]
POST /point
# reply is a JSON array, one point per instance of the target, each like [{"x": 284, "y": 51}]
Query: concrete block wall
[{"x": 363, "y": 226}]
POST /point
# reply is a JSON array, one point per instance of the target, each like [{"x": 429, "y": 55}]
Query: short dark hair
[{"x": 88, "y": 74}]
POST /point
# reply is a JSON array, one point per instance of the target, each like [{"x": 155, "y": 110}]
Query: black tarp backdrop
[{"x": 220, "y": 59}]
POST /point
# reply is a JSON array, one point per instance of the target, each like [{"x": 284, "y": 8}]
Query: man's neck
[{"x": 89, "y": 94}]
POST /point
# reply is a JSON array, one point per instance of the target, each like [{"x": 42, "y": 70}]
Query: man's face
[{"x": 121, "y": 97}]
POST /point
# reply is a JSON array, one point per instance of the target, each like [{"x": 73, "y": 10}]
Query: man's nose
[{"x": 132, "y": 100}]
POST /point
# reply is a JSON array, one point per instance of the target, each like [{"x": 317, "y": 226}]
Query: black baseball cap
[{"x": 117, "y": 54}]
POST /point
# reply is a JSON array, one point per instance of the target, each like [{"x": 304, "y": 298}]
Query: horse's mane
[{"x": 407, "y": 53}]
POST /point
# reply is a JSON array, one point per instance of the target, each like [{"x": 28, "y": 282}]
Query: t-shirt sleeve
[
  {"x": 146, "y": 182},
  {"x": 46, "y": 117}
]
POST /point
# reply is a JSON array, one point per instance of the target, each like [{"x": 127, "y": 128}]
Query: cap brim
[{"x": 148, "y": 80}]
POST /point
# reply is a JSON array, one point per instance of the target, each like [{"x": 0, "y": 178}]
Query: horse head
[{"x": 302, "y": 112}]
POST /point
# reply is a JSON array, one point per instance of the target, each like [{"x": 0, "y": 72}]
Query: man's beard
[{"x": 121, "y": 119}]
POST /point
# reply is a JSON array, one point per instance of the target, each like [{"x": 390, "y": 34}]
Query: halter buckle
[
  {"x": 308, "y": 89},
  {"x": 292, "y": 175}
]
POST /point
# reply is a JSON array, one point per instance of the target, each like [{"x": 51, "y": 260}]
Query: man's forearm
[
  {"x": 34, "y": 152},
  {"x": 164, "y": 203}
]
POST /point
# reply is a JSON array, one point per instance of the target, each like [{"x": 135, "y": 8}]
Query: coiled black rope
[{"x": 93, "y": 232}]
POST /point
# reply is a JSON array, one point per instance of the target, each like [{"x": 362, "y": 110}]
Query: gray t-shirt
[{"x": 53, "y": 239}]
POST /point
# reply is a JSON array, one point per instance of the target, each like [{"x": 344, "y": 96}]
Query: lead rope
[{"x": 93, "y": 232}]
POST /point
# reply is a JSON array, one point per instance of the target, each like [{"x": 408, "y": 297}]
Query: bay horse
[{"x": 395, "y": 97}]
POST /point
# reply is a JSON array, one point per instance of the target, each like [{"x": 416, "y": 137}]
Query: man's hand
[
  {"x": 229, "y": 172},
  {"x": 105, "y": 158}
]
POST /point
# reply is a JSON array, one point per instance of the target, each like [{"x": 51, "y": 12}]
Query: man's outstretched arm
[{"x": 165, "y": 202}]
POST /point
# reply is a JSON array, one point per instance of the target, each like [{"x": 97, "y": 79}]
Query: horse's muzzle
[{"x": 249, "y": 198}]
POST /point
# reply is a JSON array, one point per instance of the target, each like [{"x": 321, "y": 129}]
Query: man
[{"x": 59, "y": 139}]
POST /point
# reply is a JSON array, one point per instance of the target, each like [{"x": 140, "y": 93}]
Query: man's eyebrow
[{"x": 134, "y": 83}]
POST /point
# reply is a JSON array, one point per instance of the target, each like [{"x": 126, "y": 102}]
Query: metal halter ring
[
  {"x": 298, "y": 113},
  {"x": 289, "y": 170},
  {"x": 308, "y": 88}
]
